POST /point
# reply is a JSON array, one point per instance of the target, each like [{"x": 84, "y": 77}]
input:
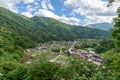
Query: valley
[
  {"x": 59, "y": 52},
  {"x": 46, "y": 48}
]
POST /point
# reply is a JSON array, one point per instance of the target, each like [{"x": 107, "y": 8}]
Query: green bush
[{"x": 44, "y": 70}]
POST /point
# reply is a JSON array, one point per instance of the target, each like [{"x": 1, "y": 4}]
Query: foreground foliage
[
  {"x": 19, "y": 32},
  {"x": 76, "y": 70}
]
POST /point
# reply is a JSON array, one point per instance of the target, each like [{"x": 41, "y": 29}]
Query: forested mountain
[
  {"x": 26, "y": 32},
  {"x": 102, "y": 26}
]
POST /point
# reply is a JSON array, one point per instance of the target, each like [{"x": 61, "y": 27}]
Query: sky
[{"x": 73, "y": 12}]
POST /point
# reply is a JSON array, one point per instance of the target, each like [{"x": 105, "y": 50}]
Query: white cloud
[
  {"x": 29, "y": 9},
  {"x": 50, "y": 6},
  {"x": 70, "y": 3},
  {"x": 36, "y": 3},
  {"x": 46, "y": 13},
  {"x": 28, "y": 14},
  {"x": 28, "y": 1},
  {"x": 10, "y": 4},
  {"x": 64, "y": 19},
  {"x": 71, "y": 20},
  {"x": 46, "y": 4},
  {"x": 95, "y": 11}
]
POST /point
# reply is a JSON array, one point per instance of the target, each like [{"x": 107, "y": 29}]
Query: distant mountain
[{"x": 101, "y": 26}]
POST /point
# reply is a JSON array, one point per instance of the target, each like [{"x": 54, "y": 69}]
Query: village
[
  {"x": 88, "y": 55},
  {"x": 58, "y": 47}
]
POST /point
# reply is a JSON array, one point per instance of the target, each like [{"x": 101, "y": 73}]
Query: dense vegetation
[
  {"x": 99, "y": 46},
  {"x": 19, "y": 32},
  {"x": 104, "y": 45},
  {"x": 116, "y": 30},
  {"x": 76, "y": 69},
  {"x": 41, "y": 29}
]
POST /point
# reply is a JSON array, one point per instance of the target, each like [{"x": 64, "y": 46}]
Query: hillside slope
[
  {"x": 61, "y": 31},
  {"x": 41, "y": 29}
]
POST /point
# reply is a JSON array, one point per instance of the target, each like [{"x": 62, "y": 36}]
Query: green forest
[{"x": 18, "y": 33}]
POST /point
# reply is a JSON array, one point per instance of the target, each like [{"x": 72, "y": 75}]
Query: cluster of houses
[
  {"x": 88, "y": 55},
  {"x": 54, "y": 45}
]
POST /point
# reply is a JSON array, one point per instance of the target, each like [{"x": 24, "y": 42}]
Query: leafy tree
[
  {"x": 18, "y": 73},
  {"x": 81, "y": 70},
  {"x": 105, "y": 45},
  {"x": 116, "y": 30},
  {"x": 12, "y": 70},
  {"x": 116, "y": 22},
  {"x": 55, "y": 49},
  {"x": 111, "y": 65},
  {"x": 44, "y": 70}
]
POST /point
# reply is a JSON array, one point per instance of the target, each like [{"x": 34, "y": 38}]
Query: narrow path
[
  {"x": 72, "y": 46},
  {"x": 57, "y": 57},
  {"x": 53, "y": 60}
]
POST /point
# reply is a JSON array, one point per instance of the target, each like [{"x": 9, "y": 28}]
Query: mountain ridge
[
  {"x": 42, "y": 29},
  {"x": 102, "y": 26}
]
